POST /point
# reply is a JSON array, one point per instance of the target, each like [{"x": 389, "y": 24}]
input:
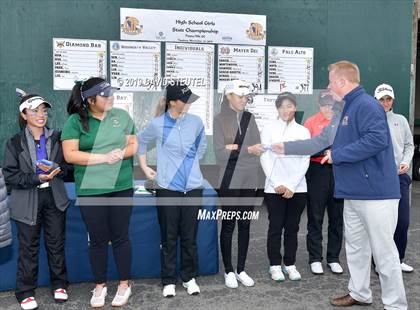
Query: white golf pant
[{"x": 369, "y": 230}]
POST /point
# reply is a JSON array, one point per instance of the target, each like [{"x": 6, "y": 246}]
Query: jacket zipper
[
  {"x": 285, "y": 128},
  {"x": 181, "y": 151},
  {"x": 367, "y": 176},
  {"x": 275, "y": 159},
  {"x": 239, "y": 124}
]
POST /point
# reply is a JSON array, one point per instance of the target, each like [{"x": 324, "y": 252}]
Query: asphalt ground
[{"x": 312, "y": 292}]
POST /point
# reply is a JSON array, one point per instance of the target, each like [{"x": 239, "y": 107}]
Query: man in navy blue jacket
[{"x": 366, "y": 178}]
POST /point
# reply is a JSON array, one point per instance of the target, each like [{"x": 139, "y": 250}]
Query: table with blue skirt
[{"x": 144, "y": 236}]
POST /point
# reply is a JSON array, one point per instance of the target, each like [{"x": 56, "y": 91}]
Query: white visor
[
  {"x": 33, "y": 103},
  {"x": 238, "y": 87}
]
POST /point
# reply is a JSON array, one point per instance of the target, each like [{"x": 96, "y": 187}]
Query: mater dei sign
[{"x": 192, "y": 27}]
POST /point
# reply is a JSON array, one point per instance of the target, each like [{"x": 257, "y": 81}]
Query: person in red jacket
[{"x": 320, "y": 179}]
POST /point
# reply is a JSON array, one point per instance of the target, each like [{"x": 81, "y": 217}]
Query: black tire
[{"x": 416, "y": 169}]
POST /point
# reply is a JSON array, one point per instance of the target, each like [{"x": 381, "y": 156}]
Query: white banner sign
[
  {"x": 239, "y": 62},
  {"x": 192, "y": 27},
  {"x": 264, "y": 109},
  {"x": 135, "y": 66},
  {"x": 76, "y": 59},
  {"x": 124, "y": 101},
  {"x": 194, "y": 65},
  {"x": 290, "y": 69}
]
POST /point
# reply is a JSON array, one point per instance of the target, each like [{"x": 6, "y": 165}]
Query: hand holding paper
[
  {"x": 278, "y": 148},
  {"x": 48, "y": 177},
  {"x": 256, "y": 149},
  {"x": 46, "y": 165}
]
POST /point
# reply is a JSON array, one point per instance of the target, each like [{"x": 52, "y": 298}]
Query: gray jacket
[
  {"x": 402, "y": 139},
  {"x": 19, "y": 171},
  {"x": 5, "y": 227}
]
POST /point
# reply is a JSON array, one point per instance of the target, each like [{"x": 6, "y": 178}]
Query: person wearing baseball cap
[
  {"x": 402, "y": 141},
  {"x": 100, "y": 141},
  {"x": 320, "y": 179},
  {"x": 179, "y": 91},
  {"x": 384, "y": 90},
  {"x": 237, "y": 144},
  {"x": 180, "y": 144},
  {"x": 180, "y": 95},
  {"x": 38, "y": 199}
]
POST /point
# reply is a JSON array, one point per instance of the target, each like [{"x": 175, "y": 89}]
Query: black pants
[
  {"x": 283, "y": 214},
  {"x": 320, "y": 180},
  {"x": 109, "y": 222},
  {"x": 400, "y": 236},
  {"x": 228, "y": 227},
  {"x": 181, "y": 221},
  {"x": 53, "y": 223}
]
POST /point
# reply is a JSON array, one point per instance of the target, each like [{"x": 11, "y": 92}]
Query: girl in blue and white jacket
[{"x": 180, "y": 143}]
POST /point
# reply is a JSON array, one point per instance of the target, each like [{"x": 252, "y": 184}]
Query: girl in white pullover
[{"x": 285, "y": 188}]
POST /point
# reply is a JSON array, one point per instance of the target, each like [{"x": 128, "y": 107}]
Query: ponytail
[
  {"x": 224, "y": 104},
  {"x": 229, "y": 126},
  {"x": 77, "y": 105},
  {"x": 161, "y": 107}
]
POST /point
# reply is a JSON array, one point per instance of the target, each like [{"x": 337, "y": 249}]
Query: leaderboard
[
  {"x": 76, "y": 59},
  {"x": 290, "y": 69},
  {"x": 242, "y": 62},
  {"x": 135, "y": 66},
  {"x": 194, "y": 65}
]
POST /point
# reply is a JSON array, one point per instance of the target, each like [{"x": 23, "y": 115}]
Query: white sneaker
[
  {"x": 230, "y": 280},
  {"x": 169, "y": 291},
  {"x": 121, "y": 300},
  {"x": 276, "y": 273},
  {"x": 406, "y": 268},
  {"x": 316, "y": 268},
  {"x": 192, "y": 287},
  {"x": 335, "y": 268},
  {"x": 29, "y": 303},
  {"x": 291, "y": 270},
  {"x": 98, "y": 298},
  {"x": 60, "y": 295},
  {"x": 245, "y": 279}
]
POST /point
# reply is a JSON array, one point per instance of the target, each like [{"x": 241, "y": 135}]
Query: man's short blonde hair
[{"x": 347, "y": 70}]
